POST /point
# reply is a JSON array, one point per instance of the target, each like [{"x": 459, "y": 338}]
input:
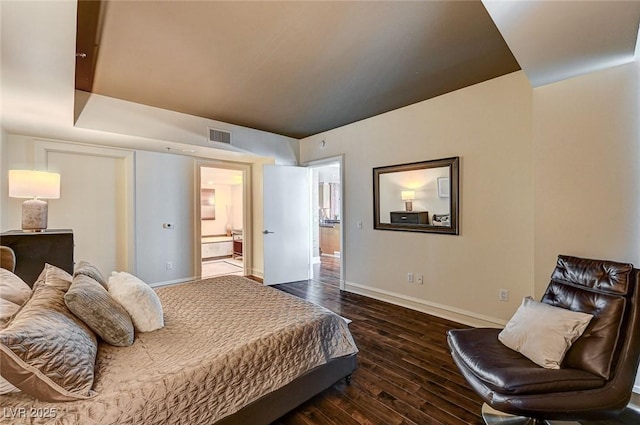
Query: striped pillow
[{"x": 90, "y": 301}]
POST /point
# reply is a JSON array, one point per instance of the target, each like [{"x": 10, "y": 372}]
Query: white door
[
  {"x": 286, "y": 232},
  {"x": 97, "y": 197},
  {"x": 91, "y": 204}
]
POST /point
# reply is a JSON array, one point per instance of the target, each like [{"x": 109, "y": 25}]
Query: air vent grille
[{"x": 221, "y": 136}]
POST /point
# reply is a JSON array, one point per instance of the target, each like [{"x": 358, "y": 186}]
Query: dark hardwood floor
[{"x": 405, "y": 374}]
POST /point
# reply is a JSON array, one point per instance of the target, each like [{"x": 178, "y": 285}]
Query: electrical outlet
[
  {"x": 169, "y": 265},
  {"x": 419, "y": 279},
  {"x": 359, "y": 225},
  {"x": 410, "y": 277},
  {"x": 503, "y": 295}
]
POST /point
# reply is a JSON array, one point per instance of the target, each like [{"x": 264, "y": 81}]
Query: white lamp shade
[
  {"x": 34, "y": 184},
  {"x": 407, "y": 195}
]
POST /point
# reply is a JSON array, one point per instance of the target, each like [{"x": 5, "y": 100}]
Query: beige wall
[
  {"x": 228, "y": 209},
  {"x": 489, "y": 126},
  {"x": 224, "y": 205},
  {"x": 545, "y": 171},
  {"x": 587, "y": 169},
  {"x": 236, "y": 207}
]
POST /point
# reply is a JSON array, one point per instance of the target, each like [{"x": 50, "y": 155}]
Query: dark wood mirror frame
[{"x": 420, "y": 221}]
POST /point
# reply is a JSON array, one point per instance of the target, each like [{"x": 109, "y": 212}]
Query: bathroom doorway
[{"x": 222, "y": 216}]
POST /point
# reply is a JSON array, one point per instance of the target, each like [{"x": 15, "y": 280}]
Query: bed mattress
[{"x": 227, "y": 341}]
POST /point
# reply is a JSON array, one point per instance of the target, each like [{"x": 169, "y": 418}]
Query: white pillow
[
  {"x": 543, "y": 333},
  {"x": 140, "y": 301}
]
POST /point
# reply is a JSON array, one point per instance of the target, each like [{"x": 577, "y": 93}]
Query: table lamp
[
  {"x": 35, "y": 185},
  {"x": 408, "y": 196}
]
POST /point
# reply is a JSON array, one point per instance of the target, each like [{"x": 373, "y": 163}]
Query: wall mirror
[{"x": 417, "y": 197}]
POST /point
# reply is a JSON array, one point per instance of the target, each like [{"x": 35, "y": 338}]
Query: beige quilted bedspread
[{"x": 226, "y": 342}]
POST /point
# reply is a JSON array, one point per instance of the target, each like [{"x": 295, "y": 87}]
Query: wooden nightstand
[
  {"x": 409, "y": 217},
  {"x": 34, "y": 249}
]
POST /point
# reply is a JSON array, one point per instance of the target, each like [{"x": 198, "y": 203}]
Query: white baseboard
[
  {"x": 172, "y": 282},
  {"x": 439, "y": 310},
  {"x": 257, "y": 273}
]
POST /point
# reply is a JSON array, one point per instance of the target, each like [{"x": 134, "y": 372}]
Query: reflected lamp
[{"x": 408, "y": 196}]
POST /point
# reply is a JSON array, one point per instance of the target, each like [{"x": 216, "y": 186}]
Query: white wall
[
  {"x": 164, "y": 193},
  {"x": 489, "y": 126},
  {"x": 133, "y": 119},
  {"x": 4, "y": 190},
  {"x": 587, "y": 169}
]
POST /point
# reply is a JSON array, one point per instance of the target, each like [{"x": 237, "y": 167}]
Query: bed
[{"x": 231, "y": 352}]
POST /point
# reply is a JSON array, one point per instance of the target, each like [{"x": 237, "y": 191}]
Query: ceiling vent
[{"x": 220, "y": 136}]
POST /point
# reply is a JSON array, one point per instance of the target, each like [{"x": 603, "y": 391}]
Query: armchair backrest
[{"x": 608, "y": 291}]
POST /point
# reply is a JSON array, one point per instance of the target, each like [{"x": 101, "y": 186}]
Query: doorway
[
  {"x": 327, "y": 221},
  {"x": 221, "y": 217}
]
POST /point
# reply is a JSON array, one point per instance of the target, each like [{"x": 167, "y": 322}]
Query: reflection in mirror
[
  {"x": 208, "y": 204},
  {"x": 419, "y": 197}
]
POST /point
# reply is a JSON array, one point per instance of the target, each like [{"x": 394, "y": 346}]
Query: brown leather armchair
[{"x": 596, "y": 377}]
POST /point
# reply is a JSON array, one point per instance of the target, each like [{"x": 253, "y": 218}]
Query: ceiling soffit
[{"x": 291, "y": 68}]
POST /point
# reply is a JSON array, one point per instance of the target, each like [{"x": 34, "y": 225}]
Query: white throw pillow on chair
[{"x": 543, "y": 333}]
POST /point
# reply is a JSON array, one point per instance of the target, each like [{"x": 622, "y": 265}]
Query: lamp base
[
  {"x": 34, "y": 215},
  {"x": 408, "y": 206}
]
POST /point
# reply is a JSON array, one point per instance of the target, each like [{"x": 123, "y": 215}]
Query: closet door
[{"x": 94, "y": 201}]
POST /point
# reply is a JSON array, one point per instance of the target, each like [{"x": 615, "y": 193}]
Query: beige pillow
[
  {"x": 543, "y": 333},
  {"x": 45, "y": 350},
  {"x": 84, "y": 267},
  {"x": 12, "y": 288},
  {"x": 140, "y": 301},
  {"x": 53, "y": 276},
  {"x": 7, "y": 310},
  {"x": 91, "y": 302}
]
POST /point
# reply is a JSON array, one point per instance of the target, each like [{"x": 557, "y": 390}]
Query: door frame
[
  {"x": 247, "y": 218},
  {"x": 127, "y": 243},
  {"x": 316, "y": 163}
]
